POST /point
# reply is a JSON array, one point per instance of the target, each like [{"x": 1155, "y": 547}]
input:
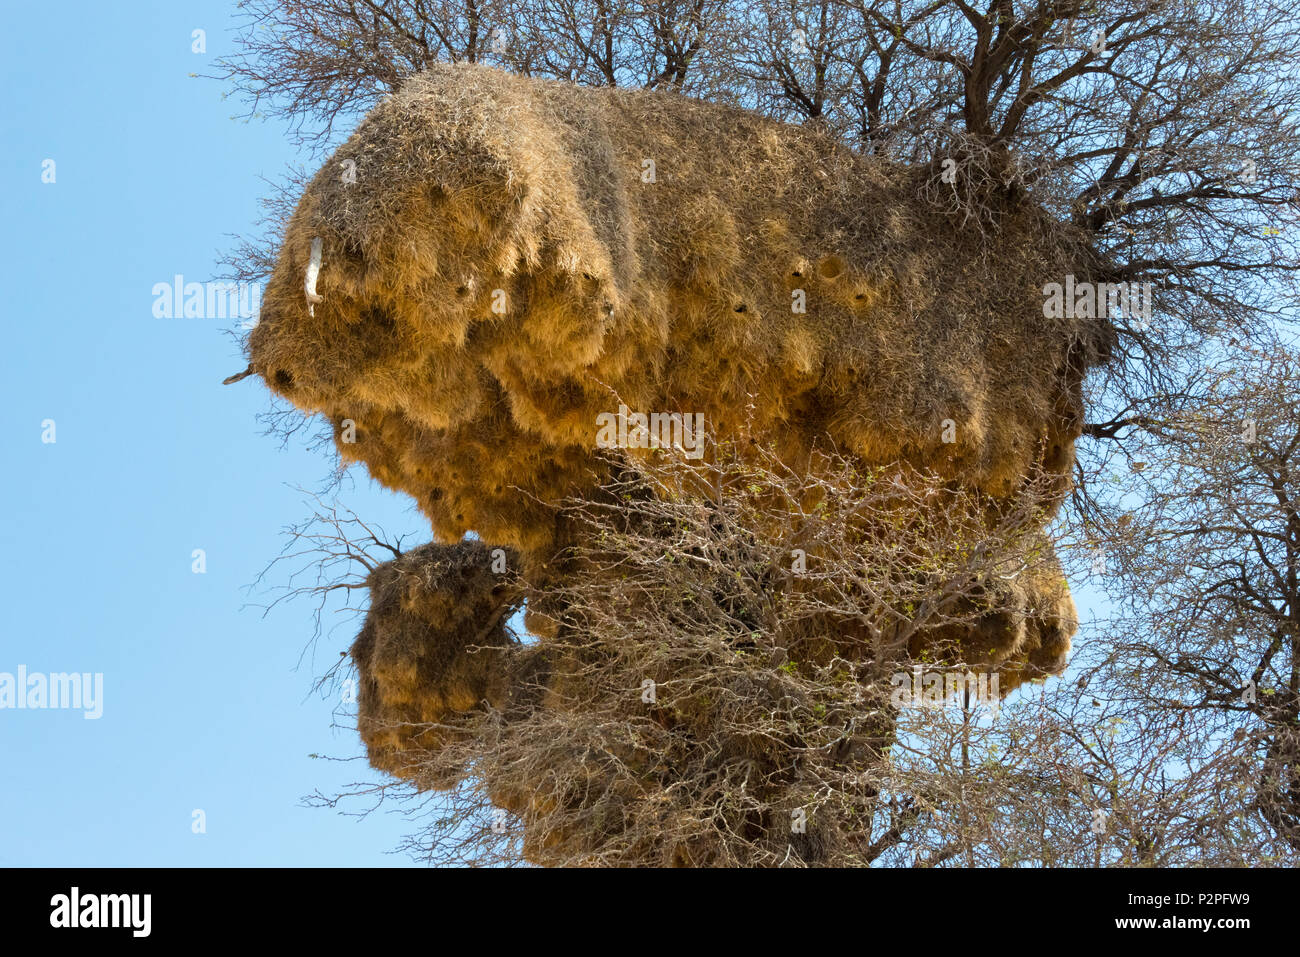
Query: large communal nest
[{"x": 490, "y": 263}]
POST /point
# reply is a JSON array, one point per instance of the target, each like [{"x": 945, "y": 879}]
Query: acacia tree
[
  {"x": 762, "y": 743},
  {"x": 1202, "y": 547},
  {"x": 1164, "y": 132}
]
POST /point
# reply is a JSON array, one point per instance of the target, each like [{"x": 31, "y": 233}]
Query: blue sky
[{"x": 153, "y": 458}]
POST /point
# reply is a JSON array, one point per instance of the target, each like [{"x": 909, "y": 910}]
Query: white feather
[{"x": 313, "y": 270}]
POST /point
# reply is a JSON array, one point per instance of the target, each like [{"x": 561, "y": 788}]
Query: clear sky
[{"x": 152, "y": 459}]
